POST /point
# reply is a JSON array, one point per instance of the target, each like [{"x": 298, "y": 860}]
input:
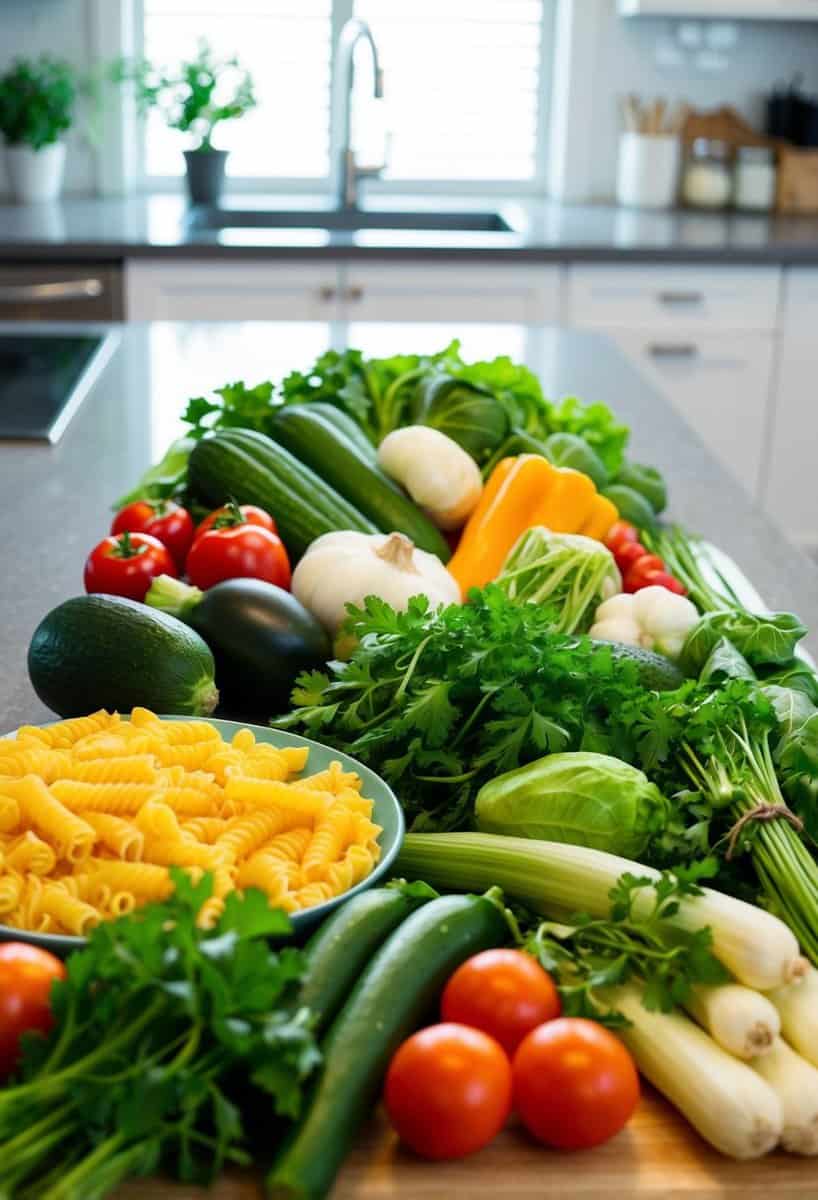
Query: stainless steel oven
[{"x": 46, "y": 291}]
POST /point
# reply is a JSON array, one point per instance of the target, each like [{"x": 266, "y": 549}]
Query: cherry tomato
[
  {"x": 627, "y": 554},
  {"x": 126, "y": 565},
  {"x": 575, "y": 1084},
  {"x": 448, "y": 1091},
  {"x": 503, "y": 992},
  {"x": 26, "y": 976},
  {"x": 163, "y": 519},
  {"x": 621, "y": 534},
  {"x": 238, "y": 552},
  {"x": 231, "y": 514},
  {"x": 665, "y": 580},
  {"x": 636, "y": 576}
]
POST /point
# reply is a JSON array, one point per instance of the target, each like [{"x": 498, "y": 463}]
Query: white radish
[
  {"x": 742, "y": 1021},
  {"x": 795, "y": 1082},
  {"x": 797, "y": 1004}
]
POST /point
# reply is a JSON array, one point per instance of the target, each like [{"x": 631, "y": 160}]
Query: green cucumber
[
  {"x": 320, "y": 443},
  {"x": 340, "y": 948},
  {"x": 348, "y": 427},
  {"x": 108, "y": 652},
  {"x": 235, "y": 464},
  {"x": 396, "y": 993},
  {"x": 656, "y": 672}
]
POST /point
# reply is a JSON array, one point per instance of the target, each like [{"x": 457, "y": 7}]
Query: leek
[
  {"x": 798, "y": 1007},
  {"x": 755, "y": 946},
  {"x": 743, "y": 1022},
  {"x": 795, "y": 1082},
  {"x": 728, "y": 1102}
]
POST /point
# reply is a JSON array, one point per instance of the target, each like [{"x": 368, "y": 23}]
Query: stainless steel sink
[{"x": 345, "y": 220}]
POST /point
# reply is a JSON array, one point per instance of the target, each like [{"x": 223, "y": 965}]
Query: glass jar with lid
[
  {"x": 755, "y": 176},
  {"x": 707, "y": 179}
]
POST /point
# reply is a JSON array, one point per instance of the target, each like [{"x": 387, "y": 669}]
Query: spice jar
[
  {"x": 755, "y": 179},
  {"x": 707, "y": 182}
]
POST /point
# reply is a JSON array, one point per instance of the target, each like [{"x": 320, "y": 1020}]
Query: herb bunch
[{"x": 157, "y": 1026}]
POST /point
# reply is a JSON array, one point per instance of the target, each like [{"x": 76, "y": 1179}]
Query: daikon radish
[
  {"x": 797, "y": 1004},
  {"x": 743, "y": 1022},
  {"x": 795, "y": 1082}
]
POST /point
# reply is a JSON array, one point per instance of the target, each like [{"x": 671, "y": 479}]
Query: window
[{"x": 466, "y": 84}]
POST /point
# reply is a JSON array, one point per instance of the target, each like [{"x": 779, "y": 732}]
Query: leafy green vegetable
[
  {"x": 797, "y": 757},
  {"x": 594, "y": 423},
  {"x": 725, "y": 662},
  {"x": 682, "y": 552},
  {"x": 584, "y": 799},
  {"x": 440, "y": 702},
  {"x": 795, "y": 674},
  {"x": 569, "y": 450},
  {"x": 792, "y": 708},
  {"x": 468, "y": 413},
  {"x": 763, "y": 640},
  {"x": 647, "y": 481},
  {"x": 157, "y": 1026},
  {"x": 166, "y": 478},
  {"x": 566, "y": 574},
  {"x": 587, "y": 956}
]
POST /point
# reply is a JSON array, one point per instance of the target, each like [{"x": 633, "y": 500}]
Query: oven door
[{"x": 60, "y": 292}]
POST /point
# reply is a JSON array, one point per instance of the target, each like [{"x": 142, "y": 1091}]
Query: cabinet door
[
  {"x": 720, "y": 383},
  {"x": 789, "y": 492},
  {"x": 224, "y": 291},
  {"x": 528, "y": 295}
]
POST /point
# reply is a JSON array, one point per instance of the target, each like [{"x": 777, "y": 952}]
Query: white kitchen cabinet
[
  {"x": 735, "y": 10},
  {"x": 720, "y": 384},
  {"x": 527, "y": 294},
  {"x": 223, "y": 291},
  {"x": 789, "y": 492}
]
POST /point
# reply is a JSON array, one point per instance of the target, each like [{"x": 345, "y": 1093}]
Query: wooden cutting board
[{"x": 658, "y": 1157}]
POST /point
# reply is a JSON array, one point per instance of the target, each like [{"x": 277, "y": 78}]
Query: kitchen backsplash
[{"x": 707, "y": 63}]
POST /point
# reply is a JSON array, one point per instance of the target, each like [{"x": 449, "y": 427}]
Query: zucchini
[
  {"x": 396, "y": 993},
  {"x": 234, "y": 464},
  {"x": 340, "y": 949},
  {"x": 321, "y": 444},
  {"x": 656, "y": 673},
  {"x": 108, "y": 652},
  {"x": 348, "y": 427}
]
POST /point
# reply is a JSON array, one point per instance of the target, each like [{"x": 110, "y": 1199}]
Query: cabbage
[{"x": 569, "y": 574}]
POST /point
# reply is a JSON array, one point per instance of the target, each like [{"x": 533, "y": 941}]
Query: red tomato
[
  {"x": 238, "y": 552},
  {"x": 163, "y": 519},
  {"x": 448, "y": 1091},
  {"x": 506, "y": 993},
  {"x": 627, "y": 554},
  {"x": 26, "y": 976},
  {"x": 665, "y": 580},
  {"x": 621, "y": 534},
  {"x": 126, "y": 565},
  {"x": 575, "y": 1084},
  {"x": 232, "y": 514},
  {"x": 636, "y": 576}
]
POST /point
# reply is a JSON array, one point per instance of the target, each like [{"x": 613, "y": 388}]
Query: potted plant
[
  {"x": 37, "y": 101},
  {"x": 194, "y": 98}
]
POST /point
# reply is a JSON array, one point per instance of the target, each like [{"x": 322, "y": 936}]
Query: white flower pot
[{"x": 35, "y": 175}]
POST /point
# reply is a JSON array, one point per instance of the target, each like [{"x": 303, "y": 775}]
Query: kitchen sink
[{"x": 345, "y": 220}]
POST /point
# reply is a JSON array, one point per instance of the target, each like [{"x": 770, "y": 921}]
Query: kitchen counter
[
  {"x": 55, "y": 501},
  {"x": 79, "y": 230}
]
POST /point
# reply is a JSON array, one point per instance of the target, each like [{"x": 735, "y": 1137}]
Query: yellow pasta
[{"x": 95, "y": 811}]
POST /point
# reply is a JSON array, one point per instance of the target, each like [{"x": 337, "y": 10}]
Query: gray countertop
[
  {"x": 542, "y": 231},
  {"x": 55, "y": 500}
]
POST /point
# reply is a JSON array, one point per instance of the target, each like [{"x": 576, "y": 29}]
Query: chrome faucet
[{"x": 350, "y": 171}]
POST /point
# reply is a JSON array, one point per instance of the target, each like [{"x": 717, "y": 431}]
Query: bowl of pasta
[{"x": 94, "y": 812}]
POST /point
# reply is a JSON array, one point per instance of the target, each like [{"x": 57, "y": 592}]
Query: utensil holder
[{"x": 648, "y": 173}]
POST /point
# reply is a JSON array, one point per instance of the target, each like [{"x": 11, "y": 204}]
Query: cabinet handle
[
  {"x": 327, "y": 293},
  {"x": 671, "y": 298},
  {"x": 670, "y": 350},
  {"x": 354, "y": 293},
  {"x": 49, "y": 293}
]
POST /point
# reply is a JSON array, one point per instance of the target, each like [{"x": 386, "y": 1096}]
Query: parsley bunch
[
  {"x": 442, "y": 701},
  {"x": 589, "y": 956},
  {"x": 157, "y": 1026}
]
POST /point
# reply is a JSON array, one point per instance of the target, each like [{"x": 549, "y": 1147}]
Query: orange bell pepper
[{"x": 522, "y": 492}]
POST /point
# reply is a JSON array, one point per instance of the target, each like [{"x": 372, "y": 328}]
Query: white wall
[
  {"x": 62, "y": 28},
  {"x": 632, "y": 56}
]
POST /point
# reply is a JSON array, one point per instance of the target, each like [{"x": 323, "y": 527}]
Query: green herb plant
[
  {"x": 164, "y": 1033},
  {"x": 588, "y": 957},
  {"x": 193, "y": 97},
  {"x": 37, "y": 101}
]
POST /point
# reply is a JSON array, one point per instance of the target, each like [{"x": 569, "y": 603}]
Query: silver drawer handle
[
  {"x": 327, "y": 293},
  {"x": 354, "y": 293},
  {"x": 49, "y": 293},
  {"x": 659, "y": 350},
  {"x": 681, "y": 298}
]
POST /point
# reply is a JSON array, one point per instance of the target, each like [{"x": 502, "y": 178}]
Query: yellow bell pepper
[{"x": 522, "y": 492}]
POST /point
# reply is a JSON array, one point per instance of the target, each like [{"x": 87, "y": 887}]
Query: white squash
[
  {"x": 346, "y": 567},
  {"x": 439, "y": 475}
]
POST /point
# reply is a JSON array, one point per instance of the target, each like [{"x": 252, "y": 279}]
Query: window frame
[{"x": 126, "y": 139}]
